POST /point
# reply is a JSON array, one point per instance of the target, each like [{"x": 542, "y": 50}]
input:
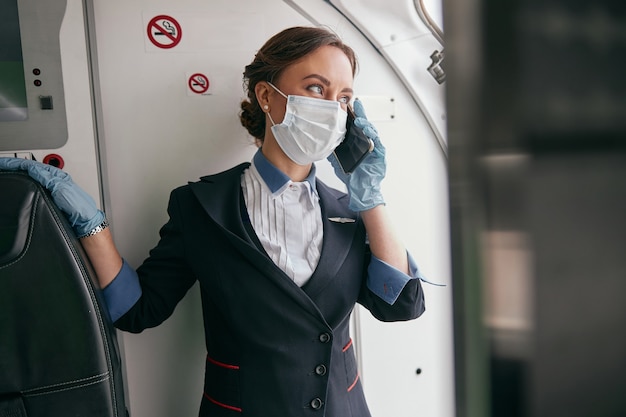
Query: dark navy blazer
[{"x": 273, "y": 349}]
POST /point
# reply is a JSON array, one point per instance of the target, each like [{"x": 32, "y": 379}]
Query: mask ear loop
[
  {"x": 275, "y": 88},
  {"x": 271, "y": 120},
  {"x": 266, "y": 107}
]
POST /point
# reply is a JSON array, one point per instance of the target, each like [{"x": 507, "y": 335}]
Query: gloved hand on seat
[
  {"x": 364, "y": 182},
  {"x": 78, "y": 206}
]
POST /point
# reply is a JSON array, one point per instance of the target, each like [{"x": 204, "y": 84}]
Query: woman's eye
[
  {"x": 317, "y": 89},
  {"x": 344, "y": 100}
]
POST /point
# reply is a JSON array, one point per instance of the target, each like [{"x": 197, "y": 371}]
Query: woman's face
[{"x": 326, "y": 73}]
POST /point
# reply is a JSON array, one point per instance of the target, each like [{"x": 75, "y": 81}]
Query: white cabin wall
[{"x": 155, "y": 136}]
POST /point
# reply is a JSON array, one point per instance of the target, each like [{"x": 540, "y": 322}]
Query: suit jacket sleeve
[
  {"x": 407, "y": 305},
  {"x": 165, "y": 276}
]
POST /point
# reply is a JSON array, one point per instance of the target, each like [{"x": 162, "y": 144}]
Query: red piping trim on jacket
[
  {"x": 346, "y": 347},
  {"x": 230, "y": 407},
  {"x": 354, "y": 383},
  {"x": 222, "y": 364}
]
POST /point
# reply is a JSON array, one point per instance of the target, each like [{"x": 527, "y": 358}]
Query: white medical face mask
[{"x": 312, "y": 128}]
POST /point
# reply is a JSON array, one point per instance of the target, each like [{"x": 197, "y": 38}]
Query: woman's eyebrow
[{"x": 323, "y": 79}]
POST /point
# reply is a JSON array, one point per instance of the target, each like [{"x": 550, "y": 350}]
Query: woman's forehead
[{"x": 327, "y": 62}]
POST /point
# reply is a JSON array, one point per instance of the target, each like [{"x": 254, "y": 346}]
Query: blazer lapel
[
  {"x": 225, "y": 211},
  {"x": 339, "y": 230}
]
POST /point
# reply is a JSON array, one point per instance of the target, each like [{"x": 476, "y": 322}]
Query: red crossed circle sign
[
  {"x": 164, "y": 31},
  {"x": 199, "y": 83}
]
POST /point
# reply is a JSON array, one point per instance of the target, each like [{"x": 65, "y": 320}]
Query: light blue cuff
[
  {"x": 123, "y": 292},
  {"x": 387, "y": 282}
]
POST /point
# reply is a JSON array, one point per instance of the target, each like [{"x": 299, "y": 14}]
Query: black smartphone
[{"x": 354, "y": 147}]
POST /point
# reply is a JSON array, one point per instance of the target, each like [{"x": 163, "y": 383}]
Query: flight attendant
[{"x": 281, "y": 258}]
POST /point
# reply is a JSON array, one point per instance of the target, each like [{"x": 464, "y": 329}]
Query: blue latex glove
[
  {"x": 79, "y": 208},
  {"x": 364, "y": 182}
]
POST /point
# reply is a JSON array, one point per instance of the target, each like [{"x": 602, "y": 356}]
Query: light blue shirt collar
[{"x": 275, "y": 179}]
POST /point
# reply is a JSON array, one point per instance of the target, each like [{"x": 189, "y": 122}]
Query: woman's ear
[{"x": 262, "y": 90}]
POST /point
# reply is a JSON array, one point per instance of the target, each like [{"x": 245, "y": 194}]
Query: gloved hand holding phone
[
  {"x": 78, "y": 206},
  {"x": 364, "y": 182}
]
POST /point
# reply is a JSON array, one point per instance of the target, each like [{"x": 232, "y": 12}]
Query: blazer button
[
  {"x": 320, "y": 370},
  {"x": 324, "y": 338},
  {"x": 316, "y": 403}
]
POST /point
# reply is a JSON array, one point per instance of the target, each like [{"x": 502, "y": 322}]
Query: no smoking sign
[
  {"x": 198, "y": 84},
  {"x": 164, "y": 31}
]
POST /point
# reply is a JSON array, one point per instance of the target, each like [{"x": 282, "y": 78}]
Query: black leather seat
[{"x": 59, "y": 354}]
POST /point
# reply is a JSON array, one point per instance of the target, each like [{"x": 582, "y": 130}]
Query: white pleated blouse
[{"x": 286, "y": 217}]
